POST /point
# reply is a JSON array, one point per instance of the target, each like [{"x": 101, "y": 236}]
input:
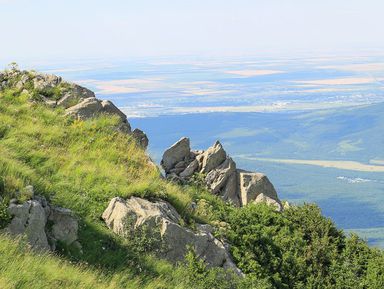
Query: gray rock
[
  {"x": 261, "y": 198},
  {"x": 176, "y": 171},
  {"x": 213, "y": 157},
  {"x": 230, "y": 192},
  {"x": 65, "y": 226},
  {"x": 140, "y": 211},
  {"x": 140, "y": 137},
  {"x": 124, "y": 217},
  {"x": 124, "y": 127},
  {"x": 179, "y": 151},
  {"x": 45, "y": 81},
  {"x": 88, "y": 108},
  {"x": 251, "y": 185},
  {"x": 29, "y": 219},
  {"x": 217, "y": 177},
  {"x": 182, "y": 164},
  {"x": 190, "y": 169},
  {"x": 78, "y": 91},
  {"x": 221, "y": 176},
  {"x": 109, "y": 108}
]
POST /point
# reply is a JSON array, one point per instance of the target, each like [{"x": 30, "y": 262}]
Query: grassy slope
[{"x": 80, "y": 165}]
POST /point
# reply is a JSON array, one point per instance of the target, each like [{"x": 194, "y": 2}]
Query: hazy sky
[{"x": 45, "y": 29}]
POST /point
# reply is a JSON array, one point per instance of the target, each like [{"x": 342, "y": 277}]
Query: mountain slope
[{"x": 81, "y": 164}]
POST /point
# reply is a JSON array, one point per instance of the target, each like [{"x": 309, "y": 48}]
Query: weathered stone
[
  {"x": 176, "y": 171},
  {"x": 221, "y": 177},
  {"x": 251, "y": 185},
  {"x": 174, "y": 178},
  {"x": 213, "y": 157},
  {"x": 88, "y": 108},
  {"x": 229, "y": 192},
  {"x": 124, "y": 127},
  {"x": 217, "y": 177},
  {"x": 181, "y": 164},
  {"x": 141, "y": 210},
  {"x": 65, "y": 226},
  {"x": 207, "y": 247},
  {"x": 261, "y": 198},
  {"x": 109, "y": 108},
  {"x": 126, "y": 216},
  {"x": 179, "y": 151},
  {"x": 190, "y": 169},
  {"x": 79, "y": 91},
  {"x": 45, "y": 81},
  {"x": 29, "y": 219},
  {"x": 140, "y": 137}
]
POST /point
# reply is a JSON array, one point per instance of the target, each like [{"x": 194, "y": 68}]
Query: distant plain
[{"x": 314, "y": 125}]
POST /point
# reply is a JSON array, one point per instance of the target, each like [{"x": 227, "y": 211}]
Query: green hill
[{"x": 81, "y": 164}]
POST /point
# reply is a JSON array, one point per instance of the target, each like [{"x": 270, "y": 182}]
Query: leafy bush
[
  {"x": 81, "y": 165},
  {"x": 4, "y": 216}
]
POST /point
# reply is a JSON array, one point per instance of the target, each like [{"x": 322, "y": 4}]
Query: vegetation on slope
[{"x": 81, "y": 165}]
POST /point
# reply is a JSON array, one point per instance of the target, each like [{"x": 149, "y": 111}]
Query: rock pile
[
  {"x": 220, "y": 174},
  {"x": 42, "y": 224},
  {"x": 126, "y": 217},
  {"x": 78, "y": 101}
]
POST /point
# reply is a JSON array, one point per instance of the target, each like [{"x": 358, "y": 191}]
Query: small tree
[{"x": 13, "y": 66}]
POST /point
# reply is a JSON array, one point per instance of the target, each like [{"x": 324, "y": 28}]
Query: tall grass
[{"x": 78, "y": 165}]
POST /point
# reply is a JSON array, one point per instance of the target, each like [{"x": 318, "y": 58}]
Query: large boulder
[
  {"x": 217, "y": 177},
  {"x": 140, "y": 137},
  {"x": 123, "y": 215},
  {"x": 42, "y": 224},
  {"x": 45, "y": 81},
  {"x": 126, "y": 217},
  {"x": 89, "y": 107},
  {"x": 230, "y": 191},
  {"x": 178, "y": 152},
  {"x": 220, "y": 174},
  {"x": 256, "y": 187},
  {"x": 29, "y": 219},
  {"x": 213, "y": 157},
  {"x": 73, "y": 94},
  {"x": 190, "y": 169},
  {"x": 109, "y": 108},
  {"x": 64, "y": 225}
]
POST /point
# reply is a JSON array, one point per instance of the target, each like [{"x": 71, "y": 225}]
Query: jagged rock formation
[
  {"x": 42, "y": 224},
  {"x": 78, "y": 101},
  {"x": 220, "y": 174},
  {"x": 126, "y": 217}
]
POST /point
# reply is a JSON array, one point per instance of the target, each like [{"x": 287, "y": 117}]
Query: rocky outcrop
[
  {"x": 256, "y": 187},
  {"x": 175, "y": 157},
  {"x": 140, "y": 137},
  {"x": 126, "y": 217},
  {"x": 78, "y": 101},
  {"x": 42, "y": 224},
  {"x": 220, "y": 174}
]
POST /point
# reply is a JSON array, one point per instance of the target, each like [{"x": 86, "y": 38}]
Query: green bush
[
  {"x": 4, "y": 215},
  {"x": 81, "y": 165}
]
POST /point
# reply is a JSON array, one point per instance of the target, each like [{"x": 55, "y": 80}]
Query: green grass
[
  {"x": 81, "y": 165},
  {"x": 21, "y": 267}
]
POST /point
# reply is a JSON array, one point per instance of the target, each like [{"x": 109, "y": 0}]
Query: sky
[{"x": 42, "y": 29}]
